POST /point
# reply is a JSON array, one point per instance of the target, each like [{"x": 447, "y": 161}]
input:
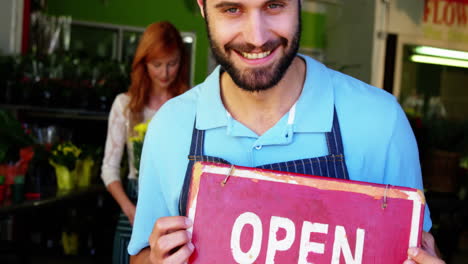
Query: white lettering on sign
[
  {"x": 251, "y": 255},
  {"x": 279, "y": 245},
  {"x": 275, "y": 243},
  {"x": 308, "y": 246},
  {"x": 341, "y": 245}
]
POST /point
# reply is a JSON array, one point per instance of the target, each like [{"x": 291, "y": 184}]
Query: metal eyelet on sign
[
  {"x": 227, "y": 176},
  {"x": 384, "y": 202}
]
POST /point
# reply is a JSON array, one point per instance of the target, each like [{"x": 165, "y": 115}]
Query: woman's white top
[{"x": 118, "y": 129}]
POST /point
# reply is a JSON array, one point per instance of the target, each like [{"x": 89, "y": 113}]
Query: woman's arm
[
  {"x": 117, "y": 191},
  {"x": 115, "y": 144}
]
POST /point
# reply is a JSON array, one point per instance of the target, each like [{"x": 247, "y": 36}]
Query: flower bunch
[
  {"x": 137, "y": 142},
  {"x": 464, "y": 162},
  {"x": 65, "y": 154}
]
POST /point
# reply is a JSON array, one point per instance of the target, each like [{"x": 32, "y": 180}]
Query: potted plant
[
  {"x": 15, "y": 147},
  {"x": 86, "y": 163},
  {"x": 112, "y": 80},
  {"x": 63, "y": 157},
  {"x": 11, "y": 73},
  {"x": 2, "y": 188}
]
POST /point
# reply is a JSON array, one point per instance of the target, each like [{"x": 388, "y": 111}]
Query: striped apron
[
  {"x": 332, "y": 165},
  {"x": 123, "y": 230}
]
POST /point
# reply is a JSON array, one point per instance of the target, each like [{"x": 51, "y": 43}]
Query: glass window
[
  {"x": 432, "y": 90},
  {"x": 94, "y": 42},
  {"x": 129, "y": 45},
  {"x": 114, "y": 42}
]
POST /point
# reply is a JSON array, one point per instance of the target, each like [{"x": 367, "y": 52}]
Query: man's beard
[{"x": 257, "y": 79}]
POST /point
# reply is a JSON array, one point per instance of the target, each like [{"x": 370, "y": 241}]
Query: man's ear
[{"x": 200, "y": 5}]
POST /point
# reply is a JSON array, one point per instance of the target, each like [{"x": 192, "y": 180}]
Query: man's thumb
[{"x": 422, "y": 257}]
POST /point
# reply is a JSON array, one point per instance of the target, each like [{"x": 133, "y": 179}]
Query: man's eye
[
  {"x": 275, "y": 6},
  {"x": 232, "y": 10}
]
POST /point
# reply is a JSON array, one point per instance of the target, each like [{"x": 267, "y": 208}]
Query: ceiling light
[
  {"x": 188, "y": 39},
  {"x": 446, "y": 53},
  {"x": 439, "y": 61}
]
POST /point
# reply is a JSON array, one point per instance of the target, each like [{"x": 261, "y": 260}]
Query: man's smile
[
  {"x": 253, "y": 56},
  {"x": 256, "y": 57}
]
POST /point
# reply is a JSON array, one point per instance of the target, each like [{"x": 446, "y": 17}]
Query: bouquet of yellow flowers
[
  {"x": 137, "y": 142},
  {"x": 64, "y": 157},
  {"x": 464, "y": 162},
  {"x": 65, "y": 154}
]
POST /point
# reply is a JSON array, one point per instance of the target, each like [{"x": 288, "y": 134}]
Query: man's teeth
[{"x": 253, "y": 56}]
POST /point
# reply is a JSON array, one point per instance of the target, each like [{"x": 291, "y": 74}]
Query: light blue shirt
[{"x": 379, "y": 144}]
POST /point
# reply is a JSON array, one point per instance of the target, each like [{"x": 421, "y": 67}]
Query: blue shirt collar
[{"x": 314, "y": 110}]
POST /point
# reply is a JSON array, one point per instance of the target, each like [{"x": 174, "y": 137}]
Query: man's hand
[
  {"x": 170, "y": 242},
  {"x": 426, "y": 254}
]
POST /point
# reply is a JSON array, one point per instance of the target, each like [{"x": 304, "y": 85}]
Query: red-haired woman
[{"x": 159, "y": 73}]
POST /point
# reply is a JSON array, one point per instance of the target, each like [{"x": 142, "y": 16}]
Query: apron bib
[{"x": 332, "y": 165}]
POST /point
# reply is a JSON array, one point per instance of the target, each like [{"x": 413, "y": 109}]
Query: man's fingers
[
  {"x": 428, "y": 243},
  {"x": 182, "y": 255},
  {"x": 166, "y": 225},
  {"x": 168, "y": 236},
  {"x": 173, "y": 240},
  {"x": 423, "y": 257}
]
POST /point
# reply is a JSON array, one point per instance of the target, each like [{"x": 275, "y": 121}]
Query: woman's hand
[
  {"x": 127, "y": 206},
  {"x": 129, "y": 210},
  {"x": 170, "y": 242},
  {"x": 426, "y": 254}
]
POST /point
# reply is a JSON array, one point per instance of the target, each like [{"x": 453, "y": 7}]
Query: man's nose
[{"x": 256, "y": 29}]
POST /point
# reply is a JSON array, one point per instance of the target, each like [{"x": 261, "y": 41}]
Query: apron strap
[
  {"x": 196, "y": 147},
  {"x": 195, "y": 154},
  {"x": 334, "y": 139}
]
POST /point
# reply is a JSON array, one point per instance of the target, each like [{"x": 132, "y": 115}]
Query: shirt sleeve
[
  {"x": 115, "y": 142},
  {"x": 402, "y": 160},
  {"x": 151, "y": 203}
]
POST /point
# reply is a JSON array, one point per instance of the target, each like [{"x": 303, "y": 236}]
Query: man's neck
[{"x": 260, "y": 111}]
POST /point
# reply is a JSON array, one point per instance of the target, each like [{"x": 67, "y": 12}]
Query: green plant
[
  {"x": 89, "y": 151},
  {"x": 13, "y": 138}
]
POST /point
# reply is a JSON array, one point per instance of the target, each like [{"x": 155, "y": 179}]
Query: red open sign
[{"x": 263, "y": 216}]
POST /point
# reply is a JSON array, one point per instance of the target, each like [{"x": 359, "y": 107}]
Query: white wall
[
  {"x": 11, "y": 23},
  {"x": 407, "y": 20}
]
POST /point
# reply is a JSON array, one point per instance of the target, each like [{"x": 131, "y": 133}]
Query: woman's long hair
[{"x": 158, "y": 40}]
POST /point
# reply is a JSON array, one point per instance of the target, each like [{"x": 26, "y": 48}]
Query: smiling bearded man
[
  {"x": 255, "y": 79},
  {"x": 266, "y": 107}
]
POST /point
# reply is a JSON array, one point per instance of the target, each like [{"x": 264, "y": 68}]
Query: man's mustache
[{"x": 247, "y": 47}]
